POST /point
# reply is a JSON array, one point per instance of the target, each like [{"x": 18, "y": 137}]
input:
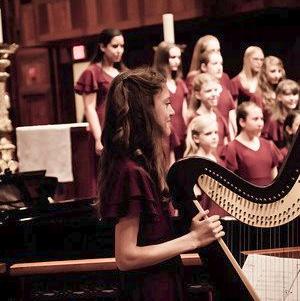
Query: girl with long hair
[
  {"x": 167, "y": 60},
  {"x": 134, "y": 193},
  {"x": 246, "y": 82},
  {"x": 93, "y": 85},
  {"x": 287, "y": 100},
  {"x": 206, "y": 44},
  {"x": 272, "y": 72},
  {"x": 202, "y": 140},
  {"x": 94, "y": 82}
]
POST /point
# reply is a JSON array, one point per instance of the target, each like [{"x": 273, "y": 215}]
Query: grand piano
[{"x": 34, "y": 228}]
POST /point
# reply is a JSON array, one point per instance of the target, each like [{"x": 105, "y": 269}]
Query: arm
[
  {"x": 89, "y": 101},
  {"x": 274, "y": 172},
  {"x": 232, "y": 124},
  {"x": 130, "y": 256},
  {"x": 185, "y": 113}
]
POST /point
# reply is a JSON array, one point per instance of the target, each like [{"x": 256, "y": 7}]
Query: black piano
[{"x": 33, "y": 228}]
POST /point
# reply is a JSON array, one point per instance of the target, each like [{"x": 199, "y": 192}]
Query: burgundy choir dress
[
  {"x": 223, "y": 132},
  {"x": 178, "y": 124},
  {"x": 253, "y": 166},
  {"x": 134, "y": 192},
  {"x": 226, "y": 102},
  {"x": 226, "y": 82},
  {"x": 94, "y": 80},
  {"x": 273, "y": 130},
  {"x": 242, "y": 94}
]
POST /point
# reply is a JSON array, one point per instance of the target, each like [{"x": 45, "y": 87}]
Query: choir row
[{"x": 213, "y": 117}]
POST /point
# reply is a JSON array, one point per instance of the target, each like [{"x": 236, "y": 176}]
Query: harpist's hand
[
  {"x": 205, "y": 229},
  {"x": 98, "y": 147}
]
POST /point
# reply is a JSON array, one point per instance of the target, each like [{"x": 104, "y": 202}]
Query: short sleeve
[
  {"x": 229, "y": 157},
  {"x": 133, "y": 193},
  {"x": 88, "y": 81},
  {"x": 277, "y": 156},
  {"x": 184, "y": 88},
  {"x": 189, "y": 80}
]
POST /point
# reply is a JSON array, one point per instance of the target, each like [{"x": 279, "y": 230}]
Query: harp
[{"x": 266, "y": 219}]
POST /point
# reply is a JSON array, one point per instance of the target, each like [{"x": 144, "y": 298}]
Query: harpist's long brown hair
[{"x": 130, "y": 128}]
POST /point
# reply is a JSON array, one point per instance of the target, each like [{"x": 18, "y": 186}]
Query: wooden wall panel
[
  {"x": 55, "y": 21},
  {"x": 37, "y": 109},
  {"x": 68, "y": 19},
  {"x": 34, "y": 87},
  {"x": 28, "y": 25}
]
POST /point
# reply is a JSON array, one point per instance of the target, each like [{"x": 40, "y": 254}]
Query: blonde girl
[
  {"x": 287, "y": 100},
  {"x": 272, "y": 72},
  {"x": 246, "y": 82},
  {"x": 202, "y": 138}
]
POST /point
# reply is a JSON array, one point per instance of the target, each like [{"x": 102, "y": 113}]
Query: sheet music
[{"x": 274, "y": 278}]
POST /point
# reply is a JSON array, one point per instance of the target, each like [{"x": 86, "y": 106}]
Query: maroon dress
[
  {"x": 178, "y": 124},
  {"x": 253, "y": 166},
  {"x": 242, "y": 94},
  {"x": 134, "y": 192},
  {"x": 94, "y": 80},
  {"x": 273, "y": 130},
  {"x": 226, "y": 82}
]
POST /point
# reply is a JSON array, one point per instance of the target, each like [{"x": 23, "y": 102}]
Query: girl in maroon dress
[
  {"x": 212, "y": 63},
  {"x": 246, "y": 81},
  {"x": 93, "y": 85},
  {"x": 287, "y": 99},
  {"x": 94, "y": 82},
  {"x": 272, "y": 72},
  {"x": 206, "y": 44},
  {"x": 167, "y": 60},
  {"x": 204, "y": 101},
  {"x": 251, "y": 157},
  {"x": 133, "y": 190},
  {"x": 202, "y": 140}
]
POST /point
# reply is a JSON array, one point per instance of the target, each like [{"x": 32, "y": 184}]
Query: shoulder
[
  {"x": 225, "y": 78},
  {"x": 182, "y": 85},
  {"x": 127, "y": 166},
  {"x": 192, "y": 74},
  {"x": 236, "y": 79}
]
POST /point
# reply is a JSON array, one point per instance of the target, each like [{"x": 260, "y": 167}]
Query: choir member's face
[
  {"x": 254, "y": 122},
  {"x": 113, "y": 51},
  {"x": 163, "y": 110},
  {"x": 274, "y": 74},
  {"x": 289, "y": 99},
  {"x": 208, "y": 139},
  {"x": 213, "y": 45},
  {"x": 174, "y": 58},
  {"x": 214, "y": 66},
  {"x": 256, "y": 60},
  {"x": 209, "y": 94}
]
